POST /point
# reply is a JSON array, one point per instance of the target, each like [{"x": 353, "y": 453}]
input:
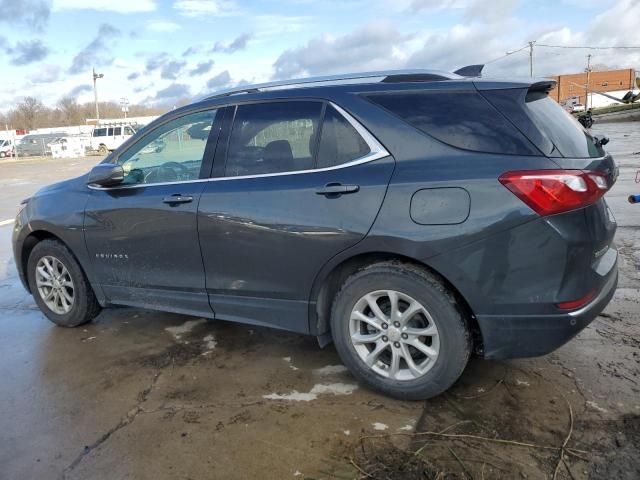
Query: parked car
[
  {"x": 410, "y": 217},
  {"x": 577, "y": 107},
  {"x": 106, "y": 138},
  {"x": 36, "y": 144},
  {"x": 6, "y": 148}
]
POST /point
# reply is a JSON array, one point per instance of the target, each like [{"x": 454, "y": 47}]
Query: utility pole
[
  {"x": 96, "y": 76},
  {"x": 531, "y": 58},
  {"x": 586, "y": 87},
  {"x": 124, "y": 103}
]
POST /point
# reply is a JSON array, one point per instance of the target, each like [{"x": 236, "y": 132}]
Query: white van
[
  {"x": 6, "y": 148},
  {"x": 106, "y": 138}
]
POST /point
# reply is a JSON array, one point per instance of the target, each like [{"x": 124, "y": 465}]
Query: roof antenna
[{"x": 470, "y": 71}]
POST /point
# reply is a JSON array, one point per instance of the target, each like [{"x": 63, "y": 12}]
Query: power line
[
  {"x": 511, "y": 52},
  {"x": 589, "y": 47}
]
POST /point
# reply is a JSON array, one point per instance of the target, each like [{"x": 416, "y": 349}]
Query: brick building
[{"x": 573, "y": 85}]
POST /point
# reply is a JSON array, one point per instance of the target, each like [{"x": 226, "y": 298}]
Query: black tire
[
  {"x": 103, "y": 150},
  {"x": 85, "y": 306},
  {"x": 455, "y": 342}
]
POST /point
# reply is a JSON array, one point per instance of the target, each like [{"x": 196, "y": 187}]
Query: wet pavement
[{"x": 149, "y": 395}]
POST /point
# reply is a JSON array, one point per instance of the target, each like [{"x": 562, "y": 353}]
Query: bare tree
[
  {"x": 69, "y": 112},
  {"x": 27, "y": 112}
]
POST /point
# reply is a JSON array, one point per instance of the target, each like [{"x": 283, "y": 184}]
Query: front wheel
[
  {"x": 59, "y": 286},
  {"x": 400, "y": 330}
]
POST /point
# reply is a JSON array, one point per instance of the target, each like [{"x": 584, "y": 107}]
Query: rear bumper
[{"x": 518, "y": 336}]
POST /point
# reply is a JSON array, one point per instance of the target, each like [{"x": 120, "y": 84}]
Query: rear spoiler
[
  {"x": 470, "y": 71},
  {"x": 543, "y": 86}
]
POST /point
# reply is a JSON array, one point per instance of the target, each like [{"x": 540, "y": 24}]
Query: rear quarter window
[{"x": 462, "y": 119}]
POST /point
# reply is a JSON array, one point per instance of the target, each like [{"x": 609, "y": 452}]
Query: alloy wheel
[
  {"x": 394, "y": 335},
  {"x": 55, "y": 285}
]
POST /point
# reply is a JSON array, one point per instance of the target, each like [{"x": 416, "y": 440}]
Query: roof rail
[{"x": 383, "y": 75}]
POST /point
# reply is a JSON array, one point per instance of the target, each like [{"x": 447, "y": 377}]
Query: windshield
[{"x": 569, "y": 138}]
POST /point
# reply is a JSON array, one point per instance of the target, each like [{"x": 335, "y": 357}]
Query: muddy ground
[{"x": 148, "y": 395}]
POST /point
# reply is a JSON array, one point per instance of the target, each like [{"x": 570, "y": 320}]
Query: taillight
[
  {"x": 548, "y": 192},
  {"x": 574, "y": 304}
]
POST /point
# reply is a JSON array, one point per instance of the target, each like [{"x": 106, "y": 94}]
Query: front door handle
[
  {"x": 177, "y": 198},
  {"x": 337, "y": 189}
]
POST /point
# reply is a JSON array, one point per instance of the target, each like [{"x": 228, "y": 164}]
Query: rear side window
[
  {"x": 568, "y": 136},
  {"x": 100, "y": 132},
  {"x": 339, "y": 142},
  {"x": 461, "y": 119},
  {"x": 273, "y": 137}
]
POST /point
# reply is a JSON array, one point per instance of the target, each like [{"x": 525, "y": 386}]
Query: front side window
[
  {"x": 273, "y": 137},
  {"x": 128, "y": 131},
  {"x": 172, "y": 152}
]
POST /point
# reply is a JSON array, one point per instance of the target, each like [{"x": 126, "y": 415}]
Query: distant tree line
[{"x": 31, "y": 113}]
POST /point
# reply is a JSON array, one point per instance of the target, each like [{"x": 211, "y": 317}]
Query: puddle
[
  {"x": 319, "y": 389},
  {"x": 186, "y": 327}
]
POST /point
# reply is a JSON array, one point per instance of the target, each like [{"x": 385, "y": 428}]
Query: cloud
[
  {"x": 375, "y": 46},
  {"x": 47, "y": 74},
  {"x": 192, "y": 51},
  {"x": 156, "y": 61},
  {"x": 80, "y": 89},
  {"x": 239, "y": 43},
  {"x": 25, "y": 53},
  {"x": 33, "y": 14},
  {"x": 495, "y": 11},
  {"x": 170, "y": 95},
  {"x": 118, "y": 6},
  {"x": 97, "y": 52},
  {"x": 163, "y": 26},
  {"x": 171, "y": 70},
  {"x": 201, "y": 68},
  {"x": 219, "y": 80},
  {"x": 133, "y": 76},
  {"x": 196, "y": 8}
]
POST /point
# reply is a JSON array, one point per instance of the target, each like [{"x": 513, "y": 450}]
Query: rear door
[
  {"x": 142, "y": 235},
  {"x": 297, "y": 182}
]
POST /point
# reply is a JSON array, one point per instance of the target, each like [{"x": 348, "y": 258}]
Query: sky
[{"x": 156, "y": 52}]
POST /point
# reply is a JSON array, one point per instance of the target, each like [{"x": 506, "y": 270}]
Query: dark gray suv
[{"x": 412, "y": 217}]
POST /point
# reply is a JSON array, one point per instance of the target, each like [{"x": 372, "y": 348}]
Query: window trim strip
[{"x": 377, "y": 151}]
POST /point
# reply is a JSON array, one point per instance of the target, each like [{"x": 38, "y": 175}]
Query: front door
[
  {"x": 142, "y": 235},
  {"x": 279, "y": 210}
]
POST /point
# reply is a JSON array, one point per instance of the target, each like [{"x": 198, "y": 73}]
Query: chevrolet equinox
[{"x": 411, "y": 217}]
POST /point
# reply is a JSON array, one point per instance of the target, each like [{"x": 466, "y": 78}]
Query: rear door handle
[
  {"x": 177, "y": 198},
  {"x": 336, "y": 189}
]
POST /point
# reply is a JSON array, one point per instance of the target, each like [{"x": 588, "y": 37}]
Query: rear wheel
[
  {"x": 103, "y": 150},
  {"x": 398, "y": 329},
  {"x": 59, "y": 286}
]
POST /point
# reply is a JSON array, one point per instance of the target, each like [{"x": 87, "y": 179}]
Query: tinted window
[
  {"x": 128, "y": 131},
  {"x": 100, "y": 132},
  {"x": 168, "y": 153},
  {"x": 564, "y": 131},
  {"x": 273, "y": 137},
  {"x": 117, "y": 131},
  {"x": 339, "y": 141},
  {"x": 461, "y": 119}
]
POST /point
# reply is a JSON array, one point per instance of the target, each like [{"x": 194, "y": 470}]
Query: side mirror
[{"x": 106, "y": 175}]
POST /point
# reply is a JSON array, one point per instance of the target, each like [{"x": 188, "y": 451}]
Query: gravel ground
[{"x": 150, "y": 395}]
